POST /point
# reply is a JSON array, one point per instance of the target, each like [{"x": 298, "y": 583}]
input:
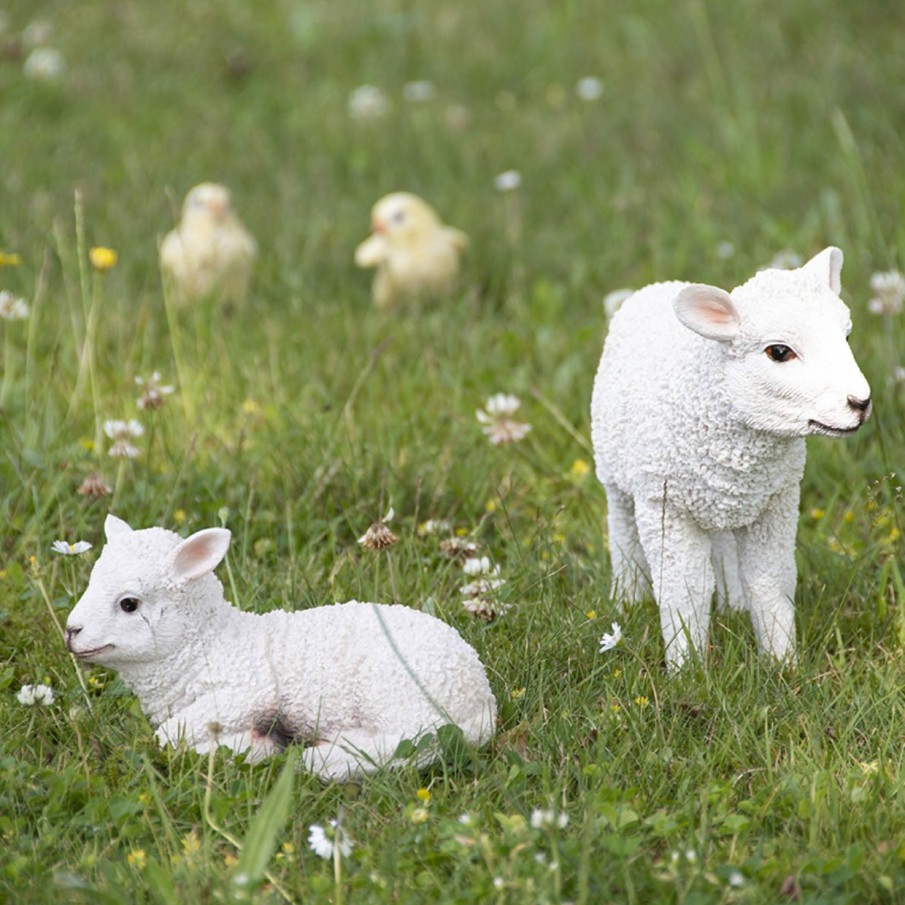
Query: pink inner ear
[
  {"x": 201, "y": 553},
  {"x": 716, "y": 313}
]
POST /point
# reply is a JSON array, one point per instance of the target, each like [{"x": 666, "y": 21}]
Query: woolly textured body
[{"x": 348, "y": 681}]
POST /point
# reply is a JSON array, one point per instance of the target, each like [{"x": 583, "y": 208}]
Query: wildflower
[
  {"x": 121, "y": 432},
  {"x": 29, "y": 695},
  {"x": 609, "y": 641},
  {"x": 481, "y": 608},
  {"x": 137, "y": 858},
  {"x": 547, "y": 819},
  {"x": 37, "y": 33},
  {"x": 898, "y": 374},
  {"x": 423, "y": 795},
  {"x": 517, "y": 694},
  {"x": 435, "y": 526},
  {"x": 419, "y": 815},
  {"x": 736, "y": 879},
  {"x": 591, "y": 614},
  {"x": 102, "y": 259},
  {"x": 95, "y": 486},
  {"x": 323, "y": 842},
  {"x": 368, "y": 102},
  {"x": 579, "y": 468},
  {"x": 459, "y": 548},
  {"x": 480, "y": 566},
  {"x": 614, "y": 300},
  {"x": 67, "y": 549},
  {"x": 496, "y": 416},
  {"x": 419, "y": 92},
  {"x": 153, "y": 392},
  {"x": 378, "y": 536},
  {"x": 889, "y": 292},
  {"x": 10, "y": 260},
  {"x": 483, "y": 587},
  {"x": 12, "y": 308},
  {"x": 508, "y": 181},
  {"x": 589, "y": 88},
  {"x": 641, "y": 701},
  {"x": 44, "y": 64}
]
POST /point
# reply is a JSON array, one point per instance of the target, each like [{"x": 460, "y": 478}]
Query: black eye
[
  {"x": 398, "y": 217},
  {"x": 779, "y": 352},
  {"x": 129, "y": 604}
]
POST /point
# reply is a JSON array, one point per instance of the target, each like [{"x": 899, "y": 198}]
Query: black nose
[
  {"x": 71, "y": 632},
  {"x": 859, "y": 405}
]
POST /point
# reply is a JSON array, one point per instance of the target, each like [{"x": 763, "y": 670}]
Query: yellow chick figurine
[
  {"x": 414, "y": 252},
  {"x": 210, "y": 251}
]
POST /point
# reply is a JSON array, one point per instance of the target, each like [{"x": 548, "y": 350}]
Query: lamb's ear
[
  {"x": 708, "y": 311},
  {"x": 115, "y": 527},
  {"x": 201, "y": 553},
  {"x": 826, "y": 266}
]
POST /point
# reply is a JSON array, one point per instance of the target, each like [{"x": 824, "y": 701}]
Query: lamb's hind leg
[
  {"x": 630, "y": 572},
  {"x": 351, "y": 754}
]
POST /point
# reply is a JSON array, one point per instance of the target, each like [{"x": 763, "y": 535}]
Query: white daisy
[
  {"x": 589, "y": 88},
  {"x": 609, "y": 641},
  {"x": 44, "y": 64},
  {"x": 368, "y": 102},
  {"x": 67, "y": 549},
  {"x": 323, "y": 842}
]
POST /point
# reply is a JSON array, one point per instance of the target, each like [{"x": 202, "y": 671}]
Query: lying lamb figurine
[
  {"x": 699, "y": 413},
  {"x": 349, "y": 681}
]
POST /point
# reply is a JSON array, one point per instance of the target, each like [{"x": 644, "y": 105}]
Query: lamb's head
[
  {"x": 149, "y": 594},
  {"x": 783, "y": 348}
]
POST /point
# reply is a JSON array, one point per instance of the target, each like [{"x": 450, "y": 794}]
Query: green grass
[{"x": 301, "y": 417}]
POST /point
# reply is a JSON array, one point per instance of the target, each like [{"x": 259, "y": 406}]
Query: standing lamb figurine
[
  {"x": 699, "y": 413},
  {"x": 349, "y": 682}
]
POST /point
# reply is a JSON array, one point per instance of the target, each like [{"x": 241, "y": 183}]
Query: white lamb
[
  {"x": 700, "y": 408},
  {"x": 349, "y": 682}
]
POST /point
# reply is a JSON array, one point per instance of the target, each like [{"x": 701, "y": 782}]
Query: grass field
[{"x": 725, "y": 134}]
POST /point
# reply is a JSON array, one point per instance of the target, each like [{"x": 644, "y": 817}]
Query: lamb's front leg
[
  {"x": 679, "y": 555},
  {"x": 766, "y": 551}
]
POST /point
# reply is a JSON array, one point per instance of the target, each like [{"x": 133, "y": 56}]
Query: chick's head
[
  {"x": 402, "y": 216},
  {"x": 208, "y": 201}
]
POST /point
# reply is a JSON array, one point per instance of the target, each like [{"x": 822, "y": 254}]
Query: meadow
[{"x": 711, "y": 138}]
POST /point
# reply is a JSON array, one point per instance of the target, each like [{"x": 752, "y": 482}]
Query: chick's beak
[{"x": 378, "y": 227}]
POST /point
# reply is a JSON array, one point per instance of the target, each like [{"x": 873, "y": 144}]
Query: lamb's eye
[
  {"x": 779, "y": 352},
  {"x": 129, "y": 604}
]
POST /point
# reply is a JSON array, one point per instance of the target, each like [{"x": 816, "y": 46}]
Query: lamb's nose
[
  {"x": 859, "y": 405},
  {"x": 71, "y": 632}
]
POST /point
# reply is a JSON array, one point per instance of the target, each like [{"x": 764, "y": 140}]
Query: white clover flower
[
  {"x": 482, "y": 608},
  {"x": 614, "y": 300},
  {"x": 736, "y": 879},
  {"x": 122, "y": 432},
  {"x": 419, "y": 91},
  {"x": 542, "y": 819},
  {"x": 498, "y": 425},
  {"x": 480, "y": 565},
  {"x": 589, "y": 88},
  {"x": 44, "y": 64},
  {"x": 483, "y": 587},
  {"x": 30, "y": 695},
  {"x": 12, "y": 308},
  {"x": 608, "y": 641},
  {"x": 459, "y": 547},
  {"x": 152, "y": 391},
  {"x": 37, "y": 33},
  {"x": 323, "y": 842},
  {"x": 368, "y": 102},
  {"x": 508, "y": 181},
  {"x": 898, "y": 374},
  {"x": 889, "y": 292},
  {"x": 67, "y": 549}
]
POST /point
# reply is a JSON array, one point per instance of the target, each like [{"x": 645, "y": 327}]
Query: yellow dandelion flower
[
  {"x": 102, "y": 259},
  {"x": 423, "y": 795},
  {"x": 461, "y": 532},
  {"x": 490, "y": 506},
  {"x": 817, "y": 513},
  {"x": 10, "y": 260},
  {"x": 137, "y": 858},
  {"x": 179, "y": 516},
  {"x": 580, "y": 468},
  {"x": 591, "y": 614}
]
